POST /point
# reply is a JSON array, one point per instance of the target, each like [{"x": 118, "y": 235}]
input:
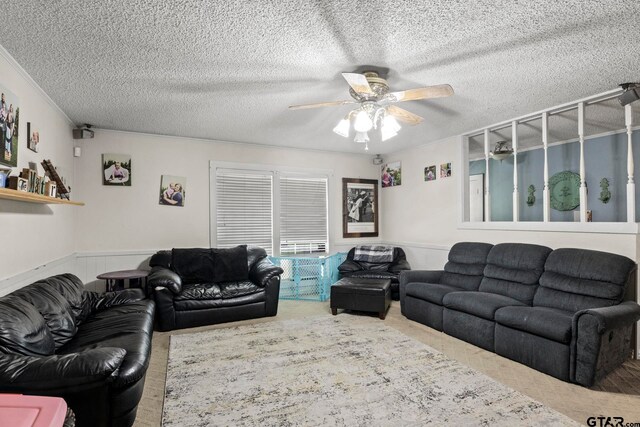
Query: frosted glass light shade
[
  {"x": 342, "y": 128},
  {"x": 362, "y": 137},
  {"x": 391, "y": 123},
  {"x": 362, "y": 122}
]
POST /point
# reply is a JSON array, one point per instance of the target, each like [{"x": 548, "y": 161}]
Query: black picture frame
[{"x": 359, "y": 207}]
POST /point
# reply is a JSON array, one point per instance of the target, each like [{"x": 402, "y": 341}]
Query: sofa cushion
[
  {"x": 53, "y": 307},
  {"x": 199, "y": 291},
  {"x": 23, "y": 329},
  {"x": 577, "y": 279},
  {"x": 201, "y": 304},
  {"x": 465, "y": 265},
  {"x": 128, "y": 326},
  {"x": 431, "y": 292},
  {"x": 481, "y": 304},
  {"x": 73, "y": 290},
  {"x": 210, "y": 291},
  {"x": 513, "y": 270},
  {"x": 542, "y": 321}
]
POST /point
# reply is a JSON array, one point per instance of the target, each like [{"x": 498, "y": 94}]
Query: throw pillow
[{"x": 230, "y": 265}]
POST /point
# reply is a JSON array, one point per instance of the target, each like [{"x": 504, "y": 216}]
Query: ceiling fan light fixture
[
  {"x": 342, "y": 128},
  {"x": 362, "y": 122},
  {"x": 362, "y": 137}
]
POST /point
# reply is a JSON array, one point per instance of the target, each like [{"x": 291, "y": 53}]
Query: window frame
[{"x": 277, "y": 171}]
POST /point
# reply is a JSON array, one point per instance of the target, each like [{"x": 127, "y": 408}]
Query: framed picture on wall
[
  {"x": 359, "y": 207},
  {"x": 116, "y": 169},
  {"x": 172, "y": 190},
  {"x": 9, "y": 126}
]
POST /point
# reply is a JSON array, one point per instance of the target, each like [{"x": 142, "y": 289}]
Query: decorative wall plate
[{"x": 564, "y": 188}]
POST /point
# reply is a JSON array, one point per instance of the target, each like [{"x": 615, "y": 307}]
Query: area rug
[{"x": 332, "y": 371}]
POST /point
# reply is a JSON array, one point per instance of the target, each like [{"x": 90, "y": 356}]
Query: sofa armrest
[
  {"x": 614, "y": 317},
  {"x": 601, "y": 340},
  {"x": 349, "y": 266},
  {"x": 165, "y": 278},
  {"x": 29, "y": 373},
  {"x": 422, "y": 276},
  {"x": 262, "y": 271},
  {"x": 400, "y": 265}
]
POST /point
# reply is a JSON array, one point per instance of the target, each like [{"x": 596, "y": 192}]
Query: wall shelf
[{"x": 23, "y": 196}]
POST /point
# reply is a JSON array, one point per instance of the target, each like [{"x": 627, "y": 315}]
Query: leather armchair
[
  {"x": 91, "y": 349},
  {"x": 368, "y": 270},
  {"x": 202, "y": 299}
]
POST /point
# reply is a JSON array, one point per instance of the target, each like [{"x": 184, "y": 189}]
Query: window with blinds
[
  {"x": 303, "y": 215},
  {"x": 244, "y": 209}
]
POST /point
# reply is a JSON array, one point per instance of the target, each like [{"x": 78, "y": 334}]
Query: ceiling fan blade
[
  {"x": 358, "y": 82},
  {"x": 428, "y": 92},
  {"x": 404, "y": 116},
  {"x": 321, "y": 104}
]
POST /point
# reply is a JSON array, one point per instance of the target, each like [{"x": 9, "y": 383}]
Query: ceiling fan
[{"x": 376, "y": 110}]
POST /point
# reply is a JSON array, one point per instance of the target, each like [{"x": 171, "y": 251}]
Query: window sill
[{"x": 565, "y": 227}]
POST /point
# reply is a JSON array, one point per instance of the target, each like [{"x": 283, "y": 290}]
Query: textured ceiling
[{"x": 228, "y": 70}]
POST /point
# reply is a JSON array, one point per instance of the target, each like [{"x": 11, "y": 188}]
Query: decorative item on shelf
[
  {"x": 9, "y": 126},
  {"x": 50, "y": 189},
  {"x": 172, "y": 190},
  {"x": 445, "y": 170},
  {"x": 430, "y": 173},
  {"x": 501, "y": 150},
  {"x": 605, "y": 194},
  {"x": 18, "y": 183},
  {"x": 589, "y": 215},
  {"x": 376, "y": 111},
  {"x": 564, "y": 188},
  {"x": 531, "y": 199},
  {"x": 4, "y": 175},
  {"x": 61, "y": 188},
  {"x": 391, "y": 174},
  {"x": 359, "y": 207}
]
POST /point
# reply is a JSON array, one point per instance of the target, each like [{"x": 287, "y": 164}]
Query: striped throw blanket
[{"x": 374, "y": 254}]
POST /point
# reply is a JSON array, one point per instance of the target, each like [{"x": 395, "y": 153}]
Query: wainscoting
[{"x": 87, "y": 265}]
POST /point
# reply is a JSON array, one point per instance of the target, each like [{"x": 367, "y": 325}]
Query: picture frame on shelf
[{"x": 359, "y": 207}]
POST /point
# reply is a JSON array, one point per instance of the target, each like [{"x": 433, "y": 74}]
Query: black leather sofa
[
  {"x": 57, "y": 339},
  {"x": 195, "y": 287},
  {"x": 370, "y": 270},
  {"x": 562, "y": 312}
]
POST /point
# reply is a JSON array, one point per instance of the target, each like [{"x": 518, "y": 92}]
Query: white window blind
[
  {"x": 244, "y": 208},
  {"x": 303, "y": 215}
]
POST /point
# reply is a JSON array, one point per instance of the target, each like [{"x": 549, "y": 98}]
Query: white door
[{"x": 476, "y": 198}]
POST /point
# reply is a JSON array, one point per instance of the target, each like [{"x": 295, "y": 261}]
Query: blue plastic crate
[{"x": 308, "y": 278}]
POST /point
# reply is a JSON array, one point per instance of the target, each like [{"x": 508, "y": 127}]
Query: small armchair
[
  {"x": 371, "y": 270},
  {"x": 195, "y": 287}
]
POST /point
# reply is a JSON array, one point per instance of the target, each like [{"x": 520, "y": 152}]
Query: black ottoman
[{"x": 352, "y": 293}]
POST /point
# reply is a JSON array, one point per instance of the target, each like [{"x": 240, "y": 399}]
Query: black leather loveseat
[
  {"x": 562, "y": 312},
  {"x": 376, "y": 270},
  {"x": 194, "y": 287},
  {"x": 57, "y": 339}
]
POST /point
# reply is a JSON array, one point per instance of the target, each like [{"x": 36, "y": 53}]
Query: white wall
[
  {"x": 422, "y": 216},
  {"x": 34, "y": 234},
  {"x": 130, "y": 218}
]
